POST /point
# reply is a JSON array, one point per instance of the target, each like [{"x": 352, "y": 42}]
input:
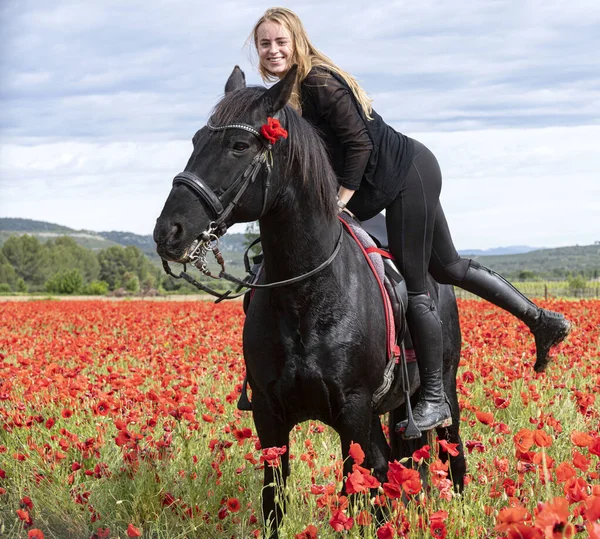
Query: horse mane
[{"x": 306, "y": 155}]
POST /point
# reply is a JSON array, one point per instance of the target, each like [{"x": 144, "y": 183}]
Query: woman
[{"x": 378, "y": 168}]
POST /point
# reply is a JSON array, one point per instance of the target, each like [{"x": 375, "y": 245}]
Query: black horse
[{"x": 315, "y": 348}]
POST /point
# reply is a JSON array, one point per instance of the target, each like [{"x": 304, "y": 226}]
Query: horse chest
[{"x": 300, "y": 374}]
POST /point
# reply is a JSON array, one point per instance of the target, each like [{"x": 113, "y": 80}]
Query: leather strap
[{"x": 200, "y": 188}]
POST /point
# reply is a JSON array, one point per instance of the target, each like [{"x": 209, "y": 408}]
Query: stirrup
[{"x": 410, "y": 431}]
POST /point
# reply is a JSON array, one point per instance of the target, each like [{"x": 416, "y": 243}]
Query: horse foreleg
[
  {"x": 357, "y": 423},
  {"x": 272, "y": 433},
  {"x": 458, "y": 464},
  {"x": 380, "y": 451},
  {"x": 402, "y": 448}
]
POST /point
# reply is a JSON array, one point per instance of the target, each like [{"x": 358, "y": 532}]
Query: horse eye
[{"x": 240, "y": 147}]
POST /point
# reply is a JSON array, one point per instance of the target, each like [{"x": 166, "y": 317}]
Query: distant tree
[
  {"x": 64, "y": 253},
  {"x": 131, "y": 282},
  {"x": 21, "y": 285},
  {"x": 577, "y": 283},
  {"x": 96, "y": 288},
  {"x": 252, "y": 233},
  {"x": 148, "y": 283},
  {"x": 116, "y": 261},
  {"x": 65, "y": 282},
  {"x": 5, "y": 288},
  {"x": 29, "y": 259},
  {"x": 526, "y": 275},
  {"x": 8, "y": 275}
]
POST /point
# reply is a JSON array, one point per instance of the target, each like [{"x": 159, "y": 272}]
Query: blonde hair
[{"x": 307, "y": 56}]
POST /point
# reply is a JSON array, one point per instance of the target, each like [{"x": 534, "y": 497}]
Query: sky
[{"x": 99, "y": 102}]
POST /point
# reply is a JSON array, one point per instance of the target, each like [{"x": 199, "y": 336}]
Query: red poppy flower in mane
[{"x": 272, "y": 130}]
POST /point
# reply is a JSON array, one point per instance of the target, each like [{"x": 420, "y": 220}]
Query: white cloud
[
  {"x": 501, "y": 187},
  {"x": 100, "y": 100}
]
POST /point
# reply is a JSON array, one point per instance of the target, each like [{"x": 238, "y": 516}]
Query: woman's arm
[{"x": 335, "y": 104}]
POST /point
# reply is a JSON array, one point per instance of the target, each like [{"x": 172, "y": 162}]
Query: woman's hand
[{"x": 344, "y": 196}]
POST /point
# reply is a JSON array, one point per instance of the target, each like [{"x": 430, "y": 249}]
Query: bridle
[
  {"x": 216, "y": 202},
  {"x": 208, "y": 240}
]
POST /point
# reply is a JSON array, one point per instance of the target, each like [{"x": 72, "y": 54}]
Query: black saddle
[{"x": 375, "y": 227}]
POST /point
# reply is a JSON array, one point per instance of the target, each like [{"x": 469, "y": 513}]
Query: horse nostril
[{"x": 176, "y": 231}]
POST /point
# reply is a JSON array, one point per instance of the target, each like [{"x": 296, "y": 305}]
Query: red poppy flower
[
  {"x": 309, "y": 533},
  {"x": 360, "y": 480},
  {"x": 448, "y": 447},
  {"x": 593, "y": 529},
  {"x": 552, "y": 520},
  {"x": 392, "y": 490},
  {"x": 34, "y": 533},
  {"x": 580, "y": 461},
  {"x": 233, "y": 504},
  {"x": 523, "y": 440},
  {"x": 272, "y": 130},
  {"x": 575, "y": 489},
  {"x": 594, "y": 447},
  {"x": 356, "y": 453},
  {"x": 437, "y": 524},
  {"x": 564, "y": 471},
  {"x": 581, "y": 439},
  {"x": 386, "y": 531},
  {"x": 271, "y": 455},
  {"x": 132, "y": 531},
  {"x": 340, "y": 521},
  {"x": 438, "y": 529},
  {"x": 421, "y": 454},
  {"x": 501, "y": 403},
  {"x": 510, "y": 516},
  {"x": 592, "y": 508},
  {"x": 541, "y": 439},
  {"x": 487, "y": 418}
]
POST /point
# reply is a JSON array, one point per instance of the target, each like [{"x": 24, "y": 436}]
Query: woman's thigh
[{"x": 410, "y": 219}]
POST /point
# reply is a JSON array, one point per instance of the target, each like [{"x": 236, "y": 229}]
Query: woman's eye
[{"x": 240, "y": 147}]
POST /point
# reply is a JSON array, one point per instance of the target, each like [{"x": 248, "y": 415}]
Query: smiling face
[{"x": 275, "y": 48}]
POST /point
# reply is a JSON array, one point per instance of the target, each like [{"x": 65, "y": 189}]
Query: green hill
[
  {"x": 97, "y": 240},
  {"x": 232, "y": 245},
  {"x": 557, "y": 263}
]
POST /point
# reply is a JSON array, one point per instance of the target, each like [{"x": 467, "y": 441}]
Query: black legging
[{"x": 418, "y": 234}]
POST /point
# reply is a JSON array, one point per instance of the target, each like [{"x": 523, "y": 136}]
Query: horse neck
[{"x": 297, "y": 236}]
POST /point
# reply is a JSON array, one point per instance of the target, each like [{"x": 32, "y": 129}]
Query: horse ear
[
  {"x": 236, "y": 80},
  {"x": 278, "y": 95}
]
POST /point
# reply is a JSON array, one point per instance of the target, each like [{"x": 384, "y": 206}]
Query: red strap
[
  {"x": 382, "y": 252},
  {"x": 387, "y": 306}
]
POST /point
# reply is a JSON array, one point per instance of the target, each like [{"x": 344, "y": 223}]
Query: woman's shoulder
[{"x": 322, "y": 76}]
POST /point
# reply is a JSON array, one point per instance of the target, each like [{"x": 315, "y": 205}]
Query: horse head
[{"x": 227, "y": 177}]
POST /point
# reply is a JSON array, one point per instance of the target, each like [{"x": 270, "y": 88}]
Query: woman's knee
[{"x": 453, "y": 273}]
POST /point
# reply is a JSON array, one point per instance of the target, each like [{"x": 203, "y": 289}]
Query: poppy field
[{"x": 119, "y": 420}]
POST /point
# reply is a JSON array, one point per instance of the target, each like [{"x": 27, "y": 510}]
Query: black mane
[{"x": 305, "y": 155}]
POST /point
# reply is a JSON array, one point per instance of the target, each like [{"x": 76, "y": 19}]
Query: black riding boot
[
  {"x": 548, "y": 327},
  {"x": 433, "y": 409}
]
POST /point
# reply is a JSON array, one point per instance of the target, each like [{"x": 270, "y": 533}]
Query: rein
[{"x": 208, "y": 240}]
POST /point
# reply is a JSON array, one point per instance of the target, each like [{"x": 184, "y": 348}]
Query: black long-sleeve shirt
[{"x": 368, "y": 156}]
